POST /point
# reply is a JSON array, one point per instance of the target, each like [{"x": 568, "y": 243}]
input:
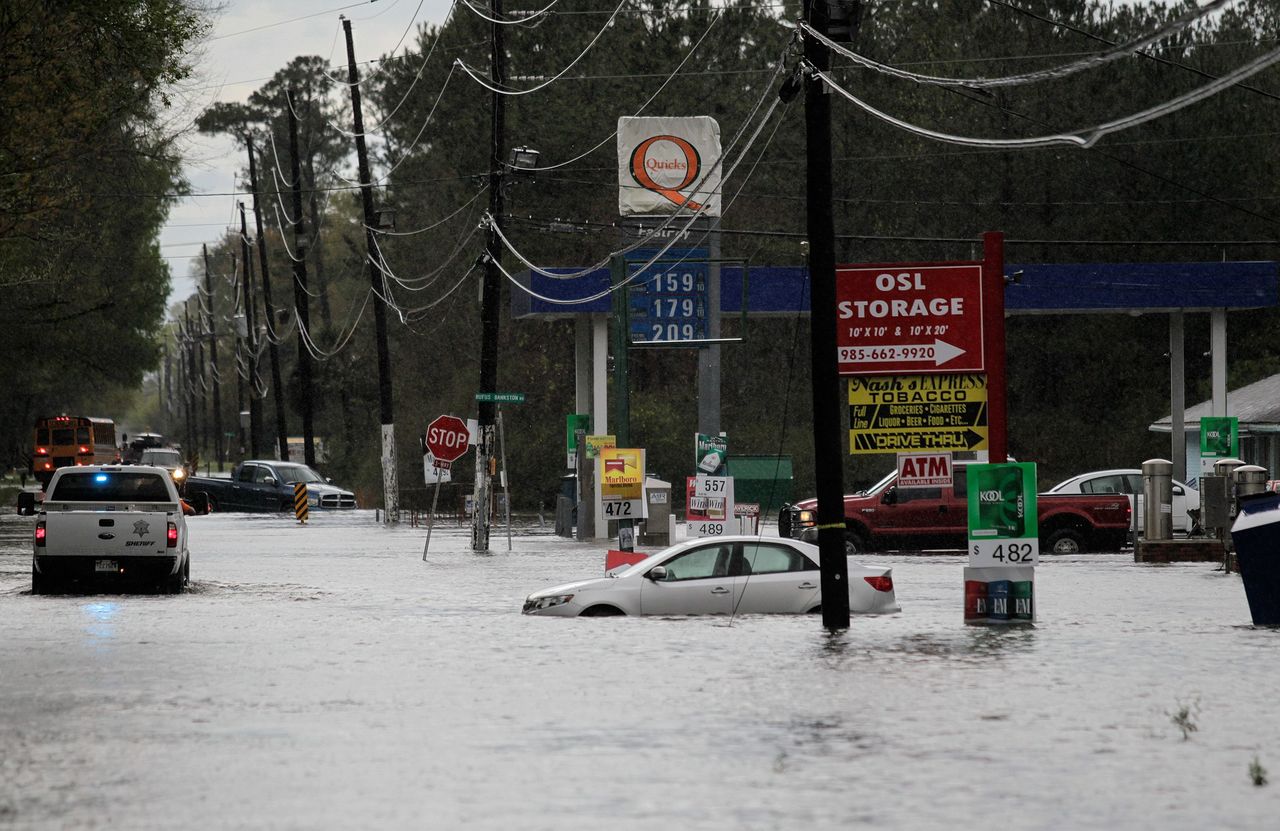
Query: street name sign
[
  {"x": 909, "y": 318},
  {"x": 501, "y": 397},
  {"x": 917, "y": 413}
]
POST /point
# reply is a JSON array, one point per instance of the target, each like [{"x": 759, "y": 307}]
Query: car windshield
[
  {"x": 110, "y": 486},
  {"x": 289, "y": 474},
  {"x": 881, "y": 484},
  {"x": 167, "y": 458}
]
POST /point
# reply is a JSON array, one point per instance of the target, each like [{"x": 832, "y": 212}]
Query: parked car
[
  {"x": 1186, "y": 499},
  {"x": 885, "y": 517},
  {"x": 267, "y": 485},
  {"x": 717, "y": 576}
]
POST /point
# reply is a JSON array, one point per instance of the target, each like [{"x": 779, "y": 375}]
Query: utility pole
[
  {"x": 186, "y": 378},
  {"x": 202, "y": 418},
  {"x": 390, "y": 487},
  {"x": 269, "y": 309},
  {"x": 827, "y": 450},
  {"x": 215, "y": 375},
  {"x": 300, "y": 302},
  {"x": 251, "y": 342},
  {"x": 491, "y": 290}
]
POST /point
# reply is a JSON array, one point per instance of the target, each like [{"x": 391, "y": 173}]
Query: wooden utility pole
[
  {"x": 269, "y": 312},
  {"x": 390, "y": 486},
  {"x": 300, "y": 301},
  {"x": 215, "y": 374},
  {"x": 825, "y": 373},
  {"x": 491, "y": 290},
  {"x": 251, "y": 342}
]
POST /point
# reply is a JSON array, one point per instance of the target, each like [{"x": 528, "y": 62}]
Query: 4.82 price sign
[
  {"x": 1004, "y": 526},
  {"x": 987, "y": 553}
]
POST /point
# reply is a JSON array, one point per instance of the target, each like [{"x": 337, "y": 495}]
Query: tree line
[{"x": 1193, "y": 186}]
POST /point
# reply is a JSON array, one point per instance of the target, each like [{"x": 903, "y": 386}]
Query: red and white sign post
[{"x": 447, "y": 440}]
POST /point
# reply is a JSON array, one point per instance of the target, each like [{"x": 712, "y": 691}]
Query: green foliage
[{"x": 86, "y": 156}]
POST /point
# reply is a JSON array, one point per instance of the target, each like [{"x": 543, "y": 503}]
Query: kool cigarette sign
[{"x": 666, "y": 164}]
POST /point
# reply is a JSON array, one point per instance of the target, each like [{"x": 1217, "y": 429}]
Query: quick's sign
[
  {"x": 909, "y": 318},
  {"x": 668, "y": 164}
]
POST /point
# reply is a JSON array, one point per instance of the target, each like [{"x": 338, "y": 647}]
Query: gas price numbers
[{"x": 668, "y": 302}]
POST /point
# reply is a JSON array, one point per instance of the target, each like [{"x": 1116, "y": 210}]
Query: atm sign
[{"x": 924, "y": 470}]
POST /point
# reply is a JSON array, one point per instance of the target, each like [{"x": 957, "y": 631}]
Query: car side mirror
[
  {"x": 1177, "y": 491},
  {"x": 328, "y": 480},
  {"x": 890, "y": 496},
  {"x": 657, "y": 573},
  {"x": 199, "y": 502},
  {"x": 269, "y": 480}
]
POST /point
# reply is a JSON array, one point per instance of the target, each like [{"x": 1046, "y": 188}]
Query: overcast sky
[{"x": 251, "y": 40}]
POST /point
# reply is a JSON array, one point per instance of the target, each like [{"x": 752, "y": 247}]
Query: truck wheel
[
  {"x": 853, "y": 543},
  {"x": 1065, "y": 541},
  {"x": 38, "y": 581}
]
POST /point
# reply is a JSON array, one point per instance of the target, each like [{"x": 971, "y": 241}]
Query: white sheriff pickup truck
[{"x": 111, "y": 524}]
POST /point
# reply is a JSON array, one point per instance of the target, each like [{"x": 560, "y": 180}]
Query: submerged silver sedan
[{"x": 717, "y": 576}]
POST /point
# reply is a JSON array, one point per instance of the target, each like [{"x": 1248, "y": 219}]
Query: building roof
[{"x": 1257, "y": 406}]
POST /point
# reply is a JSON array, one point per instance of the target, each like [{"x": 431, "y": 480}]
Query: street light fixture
[
  {"x": 523, "y": 159},
  {"x": 385, "y": 219}
]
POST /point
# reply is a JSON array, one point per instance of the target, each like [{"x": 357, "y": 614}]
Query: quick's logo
[{"x": 660, "y": 160}]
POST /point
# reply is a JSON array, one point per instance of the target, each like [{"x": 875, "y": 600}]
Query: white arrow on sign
[{"x": 939, "y": 352}]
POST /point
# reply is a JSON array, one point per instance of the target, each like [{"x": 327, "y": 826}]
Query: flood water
[{"x": 326, "y": 677}]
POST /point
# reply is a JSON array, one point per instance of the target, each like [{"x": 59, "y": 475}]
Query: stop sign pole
[{"x": 446, "y": 439}]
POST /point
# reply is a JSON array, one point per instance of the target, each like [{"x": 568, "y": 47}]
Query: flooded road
[{"x": 327, "y": 677}]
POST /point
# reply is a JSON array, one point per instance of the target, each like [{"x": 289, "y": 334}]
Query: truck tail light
[
  {"x": 40, "y": 532},
  {"x": 883, "y": 583},
  {"x": 171, "y": 539}
]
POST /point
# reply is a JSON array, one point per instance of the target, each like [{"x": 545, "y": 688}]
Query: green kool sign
[
  {"x": 1219, "y": 437},
  {"x": 1003, "y": 520}
]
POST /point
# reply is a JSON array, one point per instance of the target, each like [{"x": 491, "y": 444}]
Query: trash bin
[{"x": 1256, "y": 534}]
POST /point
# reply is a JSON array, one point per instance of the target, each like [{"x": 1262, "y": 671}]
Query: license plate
[{"x": 105, "y": 565}]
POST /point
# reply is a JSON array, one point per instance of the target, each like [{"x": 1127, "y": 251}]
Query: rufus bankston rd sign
[{"x": 909, "y": 318}]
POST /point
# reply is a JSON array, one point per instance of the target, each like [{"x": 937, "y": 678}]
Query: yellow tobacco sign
[{"x": 906, "y": 413}]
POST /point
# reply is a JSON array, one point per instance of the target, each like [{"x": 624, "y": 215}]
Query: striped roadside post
[{"x": 300, "y": 509}]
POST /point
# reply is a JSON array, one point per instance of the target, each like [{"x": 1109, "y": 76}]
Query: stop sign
[{"x": 447, "y": 438}]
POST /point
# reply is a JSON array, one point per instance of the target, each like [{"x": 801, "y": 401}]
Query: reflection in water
[{"x": 102, "y": 617}]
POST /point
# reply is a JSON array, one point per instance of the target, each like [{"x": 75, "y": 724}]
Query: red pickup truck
[{"x": 885, "y": 517}]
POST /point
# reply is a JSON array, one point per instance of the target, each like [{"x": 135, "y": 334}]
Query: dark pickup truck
[
  {"x": 267, "y": 485},
  {"x": 885, "y": 517}
]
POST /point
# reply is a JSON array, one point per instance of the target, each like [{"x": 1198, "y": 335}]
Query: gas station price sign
[{"x": 667, "y": 301}]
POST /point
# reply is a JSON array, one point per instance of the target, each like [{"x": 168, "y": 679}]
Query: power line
[{"x": 291, "y": 20}]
